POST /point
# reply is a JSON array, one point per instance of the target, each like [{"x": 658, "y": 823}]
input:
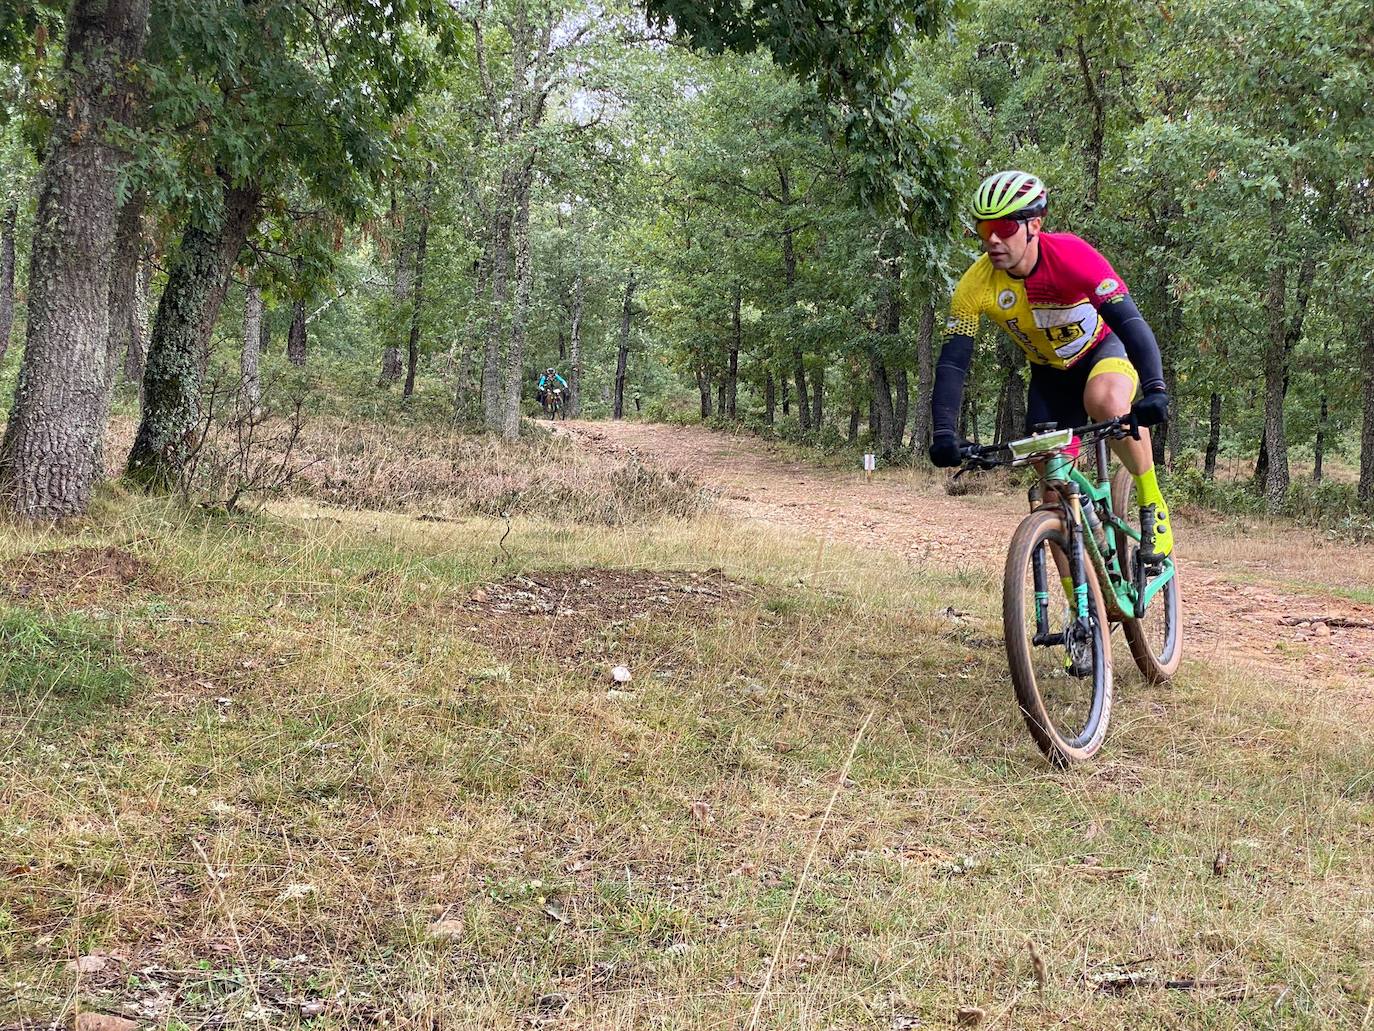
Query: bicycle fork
[{"x": 1078, "y": 574}]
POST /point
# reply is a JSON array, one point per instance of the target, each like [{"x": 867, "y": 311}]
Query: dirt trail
[{"x": 1239, "y": 584}]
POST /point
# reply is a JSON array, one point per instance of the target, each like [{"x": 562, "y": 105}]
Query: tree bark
[
  {"x": 1011, "y": 398},
  {"x": 136, "y": 355},
  {"x": 1277, "y": 356},
  {"x": 770, "y": 398},
  {"x": 925, "y": 377},
  {"x": 124, "y": 273},
  {"x": 854, "y": 424},
  {"x": 817, "y": 396},
  {"x": 402, "y": 281},
  {"x": 177, "y": 353},
  {"x": 732, "y": 374},
  {"x": 250, "y": 382},
  {"x": 880, "y": 417},
  {"x": 51, "y": 444},
  {"x": 515, "y": 358},
  {"x": 421, "y": 246},
  {"x": 704, "y": 389},
  {"x": 1209, "y": 463},
  {"x": 1275, "y": 481},
  {"x": 297, "y": 336},
  {"x": 789, "y": 270},
  {"x": 1365, "y": 491},
  {"x": 7, "y": 273},
  {"x": 496, "y": 309},
  {"x": 622, "y": 356},
  {"x": 575, "y": 347}
]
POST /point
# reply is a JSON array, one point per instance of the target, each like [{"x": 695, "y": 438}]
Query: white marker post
[{"x": 870, "y": 465}]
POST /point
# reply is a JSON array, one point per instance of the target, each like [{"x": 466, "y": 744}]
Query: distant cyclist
[
  {"x": 547, "y": 380},
  {"x": 1089, "y": 347}
]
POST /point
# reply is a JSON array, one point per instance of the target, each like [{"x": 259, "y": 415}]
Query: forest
[
  {"x": 751, "y": 213},
  {"x": 341, "y": 687}
]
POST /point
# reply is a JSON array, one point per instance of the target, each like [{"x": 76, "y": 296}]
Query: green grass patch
[{"x": 68, "y": 667}]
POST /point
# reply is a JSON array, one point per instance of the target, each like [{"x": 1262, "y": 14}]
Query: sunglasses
[{"x": 1002, "y": 228}]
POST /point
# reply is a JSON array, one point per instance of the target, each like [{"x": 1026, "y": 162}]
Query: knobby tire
[{"x": 1046, "y": 527}]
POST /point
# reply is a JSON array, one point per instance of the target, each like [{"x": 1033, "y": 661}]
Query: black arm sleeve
[
  {"x": 947, "y": 394},
  {"x": 1125, "y": 320}
]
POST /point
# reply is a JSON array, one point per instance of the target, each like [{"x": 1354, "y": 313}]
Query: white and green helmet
[{"x": 1009, "y": 194}]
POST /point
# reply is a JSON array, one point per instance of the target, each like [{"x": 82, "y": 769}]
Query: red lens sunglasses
[{"x": 1002, "y": 228}]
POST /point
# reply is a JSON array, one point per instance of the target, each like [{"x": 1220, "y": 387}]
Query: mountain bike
[
  {"x": 1075, "y": 567},
  {"x": 555, "y": 405}
]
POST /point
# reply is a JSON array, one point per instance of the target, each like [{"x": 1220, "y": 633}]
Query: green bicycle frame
[{"x": 1108, "y": 556}]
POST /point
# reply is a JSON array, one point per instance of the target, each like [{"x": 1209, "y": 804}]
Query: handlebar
[{"x": 981, "y": 457}]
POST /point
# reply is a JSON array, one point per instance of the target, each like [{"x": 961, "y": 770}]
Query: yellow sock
[{"x": 1147, "y": 493}]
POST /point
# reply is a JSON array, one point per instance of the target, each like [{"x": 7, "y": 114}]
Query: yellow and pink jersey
[{"x": 1052, "y": 313}]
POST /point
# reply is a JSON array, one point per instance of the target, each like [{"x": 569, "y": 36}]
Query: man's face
[{"x": 1005, "y": 240}]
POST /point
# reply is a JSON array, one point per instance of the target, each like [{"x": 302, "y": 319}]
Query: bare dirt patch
[
  {"x": 559, "y": 615},
  {"x": 68, "y": 572},
  {"x": 1239, "y": 594}
]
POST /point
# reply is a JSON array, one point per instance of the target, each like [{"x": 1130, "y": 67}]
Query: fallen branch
[{"x": 1339, "y": 622}]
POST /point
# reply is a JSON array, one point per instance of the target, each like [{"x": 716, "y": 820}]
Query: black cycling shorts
[{"x": 1056, "y": 395}]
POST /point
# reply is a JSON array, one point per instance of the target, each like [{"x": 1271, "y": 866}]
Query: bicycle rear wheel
[
  {"x": 1062, "y": 678},
  {"x": 1156, "y": 639}
]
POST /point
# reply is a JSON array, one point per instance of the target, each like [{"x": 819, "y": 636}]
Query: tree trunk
[
  {"x": 622, "y": 356},
  {"x": 1011, "y": 398},
  {"x": 186, "y": 313},
  {"x": 1319, "y": 447},
  {"x": 1365, "y": 491},
  {"x": 421, "y": 246},
  {"x": 136, "y": 355},
  {"x": 297, "y": 336},
  {"x": 1275, "y": 481},
  {"x": 250, "y": 383},
  {"x": 925, "y": 377},
  {"x": 817, "y": 394},
  {"x": 496, "y": 310},
  {"x": 732, "y": 374},
  {"x": 1209, "y": 463},
  {"x": 799, "y": 377},
  {"x": 124, "y": 274},
  {"x": 402, "y": 280},
  {"x": 720, "y": 397},
  {"x": 7, "y": 274},
  {"x": 854, "y": 424},
  {"x": 704, "y": 388},
  {"x": 520, "y": 315},
  {"x": 785, "y": 402},
  {"x": 880, "y": 418},
  {"x": 770, "y": 399},
  {"x": 48, "y": 457},
  {"x": 901, "y": 404},
  {"x": 575, "y": 348}
]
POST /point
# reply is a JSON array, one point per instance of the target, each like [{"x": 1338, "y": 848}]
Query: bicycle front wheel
[
  {"x": 1061, "y": 666},
  {"x": 1156, "y": 639}
]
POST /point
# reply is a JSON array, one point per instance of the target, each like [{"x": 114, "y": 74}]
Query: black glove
[
  {"x": 944, "y": 450},
  {"x": 1150, "y": 410}
]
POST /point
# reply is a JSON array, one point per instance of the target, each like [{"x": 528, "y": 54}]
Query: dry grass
[
  {"x": 449, "y": 474},
  {"x": 279, "y": 776}
]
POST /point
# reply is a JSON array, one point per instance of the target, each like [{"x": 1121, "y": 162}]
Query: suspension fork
[{"x": 1077, "y": 566}]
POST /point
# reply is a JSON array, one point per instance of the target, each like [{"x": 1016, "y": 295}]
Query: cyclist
[
  {"x": 549, "y": 378},
  {"x": 1089, "y": 347}
]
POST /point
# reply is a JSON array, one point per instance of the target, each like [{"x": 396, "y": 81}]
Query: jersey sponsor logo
[
  {"x": 1106, "y": 286},
  {"x": 1006, "y": 299}
]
